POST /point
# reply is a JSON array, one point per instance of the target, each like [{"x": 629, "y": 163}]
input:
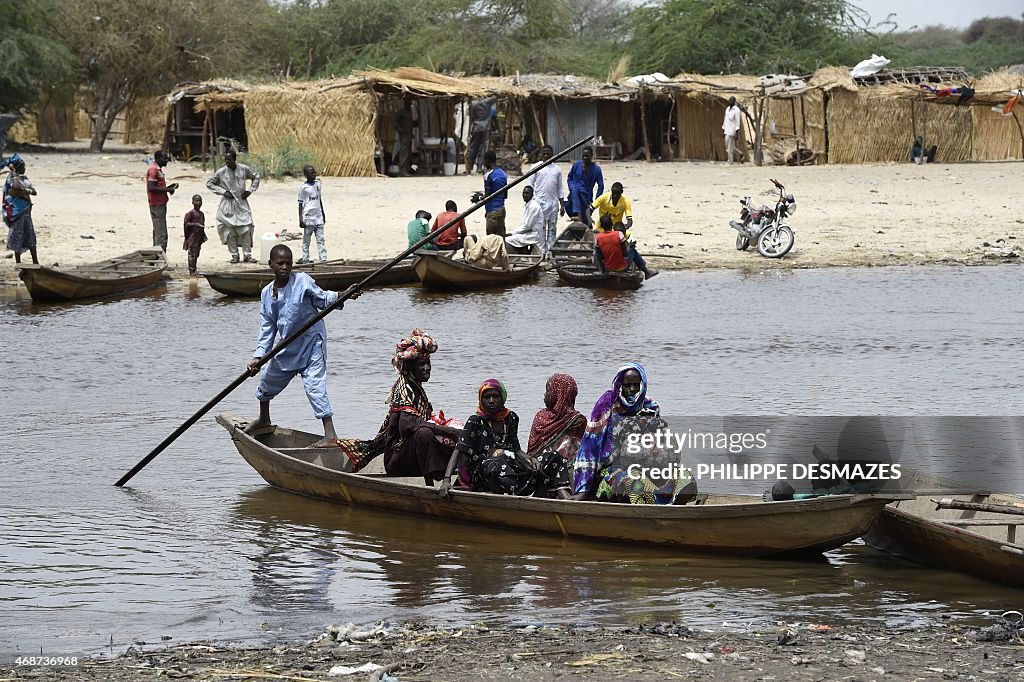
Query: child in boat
[
  {"x": 195, "y": 233},
  {"x": 491, "y": 457},
  {"x": 286, "y": 304}
]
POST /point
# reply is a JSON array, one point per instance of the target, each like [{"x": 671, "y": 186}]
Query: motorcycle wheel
[
  {"x": 742, "y": 243},
  {"x": 775, "y": 242}
]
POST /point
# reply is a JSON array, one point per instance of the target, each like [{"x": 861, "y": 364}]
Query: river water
[{"x": 200, "y": 547}]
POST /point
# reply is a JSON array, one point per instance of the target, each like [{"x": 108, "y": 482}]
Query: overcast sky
[{"x": 953, "y": 13}]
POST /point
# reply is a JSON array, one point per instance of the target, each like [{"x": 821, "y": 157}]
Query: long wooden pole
[
  {"x": 949, "y": 503},
  {"x": 337, "y": 304},
  {"x": 643, "y": 126}
]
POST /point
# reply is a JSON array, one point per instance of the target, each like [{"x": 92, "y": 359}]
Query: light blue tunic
[{"x": 297, "y": 302}]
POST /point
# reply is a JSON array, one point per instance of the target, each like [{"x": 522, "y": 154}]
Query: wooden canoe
[
  {"x": 135, "y": 271},
  {"x": 718, "y": 524},
  {"x": 330, "y": 275},
  {"x": 440, "y": 272},
  {"x": 980, "y": 543},
  {"x": 573, "y": 256}
]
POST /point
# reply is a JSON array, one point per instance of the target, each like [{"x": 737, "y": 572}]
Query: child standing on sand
[{"x": 195, "y": 233}]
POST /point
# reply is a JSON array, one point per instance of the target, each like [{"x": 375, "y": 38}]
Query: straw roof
[
  {"x": 423, "y": 83},
  {"x": 829, "y": 78},
  {"x": 565, "y": 86}
]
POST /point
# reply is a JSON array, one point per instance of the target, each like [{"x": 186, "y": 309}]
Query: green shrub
[{"x": 286, "y": 159}]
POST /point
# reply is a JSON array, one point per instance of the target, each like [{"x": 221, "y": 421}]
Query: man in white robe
[
  {"x": 234, "y": 217},
  {"x": 549, "y": 193},
  {"x": 531, "y": 231}
]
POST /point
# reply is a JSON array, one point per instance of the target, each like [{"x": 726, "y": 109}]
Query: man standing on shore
[
  {"x": 494, "y": 179},
  {"x": 547, "y": 192},
  {"x": 234, "y": 217},
  {"x": 731, "y": 128},
  {"x": 159, "y": 193},
  {"x": 311, "y": 215},
  {"x": 479, "y": 129}
]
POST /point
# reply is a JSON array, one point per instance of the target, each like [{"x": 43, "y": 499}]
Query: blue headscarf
[{"x": 595, "y": 451}]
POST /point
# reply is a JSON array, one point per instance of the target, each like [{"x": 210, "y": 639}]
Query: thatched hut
[
  {"x": 877, "y": 119},
  {"x": 261, "y": 118},
  {"x": 700, "y": 108}
]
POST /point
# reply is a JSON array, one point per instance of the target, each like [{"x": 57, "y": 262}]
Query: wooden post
[
  {"x": 206, "y": 130},
  {"x": 558, "y": 117},
  {"x": 643, "y": 124},
  {"x": 671, "y": 120},
  {"x": 536, "y": 122},
  {"x": 216, "y": 137},
  {"x": 165, "y": 145},
  {"x": 466, "y": 111}
]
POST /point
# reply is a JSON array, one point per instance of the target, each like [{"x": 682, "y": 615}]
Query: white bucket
[
  {"x": 449, "y": 169},
  {"x": 267, "y": 242}
]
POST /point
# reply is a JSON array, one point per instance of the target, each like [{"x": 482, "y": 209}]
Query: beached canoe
[
  {"x": 985, "y": 544},
  {"x": 331, "y": 275},
  {"x": 717, "y": 524},
  {"x": 440, "y": 272},
  {"x": 573, "y": 256},
  {"x": 590, "y": 276},
  {"x": 135, "y": 271}
]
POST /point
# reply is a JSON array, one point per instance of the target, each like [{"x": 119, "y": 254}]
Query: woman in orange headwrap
[{"x": 412, "y": 444}]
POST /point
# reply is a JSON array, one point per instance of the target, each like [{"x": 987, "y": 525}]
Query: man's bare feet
[{"x": 256, "y": 425}]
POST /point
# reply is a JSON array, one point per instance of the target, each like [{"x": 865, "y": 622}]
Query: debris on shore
[{"x": 662, "y": 651}]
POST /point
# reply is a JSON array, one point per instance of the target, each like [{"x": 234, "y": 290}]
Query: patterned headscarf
[
  {"x": 596, "y": 448},
  {"x": 549, "y": 424},
  {"x": 486, "y": 386},
  {"x": 417, "y": 345}
]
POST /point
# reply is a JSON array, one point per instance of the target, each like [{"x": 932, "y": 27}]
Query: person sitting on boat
[
  {"x": 531, "y": 231},
  {"x": 418, "y": 228},
  {"x": 486, "y": 252},
  {"x": 412, "y": 440},
  {"x": 559, "y": 426},
  {"x": 450, "y": 239},
  {"x": 491, "y": 457},
  {"x": 286, "y": 304},
  {"x": 614, "y": 251},
  {"x": 601, "y": 471}
]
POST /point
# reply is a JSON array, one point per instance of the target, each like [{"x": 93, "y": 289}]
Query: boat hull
[
  {"x": 914, "y": 530},
  {"x": 581, "y": 275},
  {"x": 439, "y": 272},
  {"x": 131, "y": 273},
  {"x": 738, "y": 527},
  {"x": 329, "y": 277}
]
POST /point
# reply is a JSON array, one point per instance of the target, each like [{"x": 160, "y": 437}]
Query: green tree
[
  {"x": 755, "y": 36},
  {"x": 33, "y": 61},
  {"x": 130, "y": 48}
]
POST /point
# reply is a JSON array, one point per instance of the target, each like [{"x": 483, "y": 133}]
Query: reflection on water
[{"x": 200, "y": 547}]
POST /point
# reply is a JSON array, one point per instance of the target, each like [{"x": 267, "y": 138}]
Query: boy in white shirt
[{"x": 311, "y": 215}]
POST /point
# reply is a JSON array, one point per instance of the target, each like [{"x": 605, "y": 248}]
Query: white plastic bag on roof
[{"x": 869, "y": 66}]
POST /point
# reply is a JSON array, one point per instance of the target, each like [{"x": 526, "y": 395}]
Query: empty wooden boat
[
  {"x": 132, "y": 272},
  {"x": 981, "y": 538},
  {"x": 716, "y": 524},
  {"x": 441, "y": 272},
  {"x": 330, "y": 275}
]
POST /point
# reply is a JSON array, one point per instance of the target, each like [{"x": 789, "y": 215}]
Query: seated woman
[
  {"x": 559, "y": 426},
  {"x": 598, "y": 473},
  {"x": 491, "y": 457},
  {"x": 411, "y": 442}
]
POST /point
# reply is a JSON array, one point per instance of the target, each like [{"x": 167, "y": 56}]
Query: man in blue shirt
[{"x": 494, "y": 179}]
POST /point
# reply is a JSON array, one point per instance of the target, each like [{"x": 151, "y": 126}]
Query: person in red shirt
[
  {"x": 451, "y": 239},
  {"x": 613, "y": 252},
  {"x": 159, "y": 193},
  {"x": 195, "y": 232}
]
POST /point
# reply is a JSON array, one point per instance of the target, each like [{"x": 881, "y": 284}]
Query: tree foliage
[
  {"x": 33, "y": 61},
  {"x": 759, "y": 36}
]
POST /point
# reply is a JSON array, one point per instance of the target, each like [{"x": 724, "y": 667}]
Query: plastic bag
[{"x": 869, "y": 66}]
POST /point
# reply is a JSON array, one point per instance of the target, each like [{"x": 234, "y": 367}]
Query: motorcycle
[{"x": 766, "y": 227}]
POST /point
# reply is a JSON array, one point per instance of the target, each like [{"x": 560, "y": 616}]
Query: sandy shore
[
  {"x": 666, "y": 651},
  {"x": 93, "y": 206}
]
